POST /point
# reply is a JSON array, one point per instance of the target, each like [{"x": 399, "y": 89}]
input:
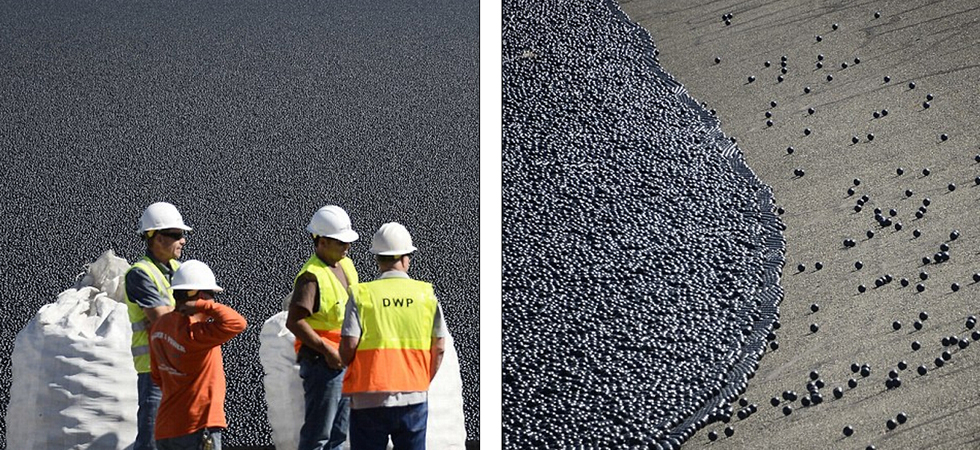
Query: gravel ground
[
  {"x": 248, "y": 116},
  {"x": 931, "y": 44}
]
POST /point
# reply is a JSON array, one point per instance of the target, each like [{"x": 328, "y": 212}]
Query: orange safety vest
[
  {"x": 329, "y": 317},
  {"x": 396, "y": 317}
]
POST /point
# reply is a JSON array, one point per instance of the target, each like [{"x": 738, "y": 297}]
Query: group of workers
[{"x": 366, "y": 351}]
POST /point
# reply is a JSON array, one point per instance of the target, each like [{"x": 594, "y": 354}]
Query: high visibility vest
[
  {"x": 137, "y": 318},
  {"x": 392, "y": 355},
  {"x": 329, "y": 317}
]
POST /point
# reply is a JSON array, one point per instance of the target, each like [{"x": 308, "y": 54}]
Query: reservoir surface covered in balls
[
  {"x": 248, "y": 116},
  {"x": 641, "y": 255}
]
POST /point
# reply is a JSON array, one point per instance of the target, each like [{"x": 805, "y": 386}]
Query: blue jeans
[
  {"x": 146, "y": 417},
  {"x": 191, "y": 441},
  {"x": 370, "y": 428},
  {"x": 327, "y": 410}
]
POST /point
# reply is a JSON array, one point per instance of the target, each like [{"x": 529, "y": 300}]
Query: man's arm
[
  {"x": 227, "y": 323},
  {"x": 438, "y": 347},
  {"x": 348, "y": 347},
  {"x": 437, "y": 350},
  {"x": 141, "y": 290},
  {"x": 350, "y": 333},
  {"x": 306, "y": 289},
  {"x": 156, "y": 312}
]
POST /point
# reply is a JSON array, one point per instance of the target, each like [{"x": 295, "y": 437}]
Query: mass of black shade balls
[
  {"x": 641, "y": 255},
  {"x": 248, "y": 116}
]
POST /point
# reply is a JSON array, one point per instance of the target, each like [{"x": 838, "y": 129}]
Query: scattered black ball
[
  {"x": 922, "y": 370},
  {"x": 916, "y": 346},
  {"x": 729, "y": 431},
  {"x": 848, "y": 431}
]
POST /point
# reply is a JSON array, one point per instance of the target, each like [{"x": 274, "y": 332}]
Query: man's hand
[
  {"x": 333, "y": 358},
  {"x": 188, "y": 308}
]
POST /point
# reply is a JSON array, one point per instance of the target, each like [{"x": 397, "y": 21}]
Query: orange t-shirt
[{"x": 185, "y": 361}]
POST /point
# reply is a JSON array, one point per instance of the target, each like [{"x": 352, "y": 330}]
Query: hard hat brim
[
  {"x": 179, "y": 227},
  {"x": 197, "y": 287},
  {"x": 346, "y": 236},
  {"x": 404, "y": 251}
]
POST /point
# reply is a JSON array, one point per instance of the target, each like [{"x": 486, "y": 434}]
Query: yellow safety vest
[
  {"x": 396, "y": 316},
  {"x": 329, "y": 317},
  {"x": 140, "y": 323}
]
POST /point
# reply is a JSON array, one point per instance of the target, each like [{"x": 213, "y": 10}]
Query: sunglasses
[{"x": 175, "y": 235}]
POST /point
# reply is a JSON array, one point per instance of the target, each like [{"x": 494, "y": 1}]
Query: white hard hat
[
  {"x": 194, "y": 275},
  {"x": 392, "y": 239},
  {"x": 332, "y": 222},
  {"x": 160, "y": 216}
]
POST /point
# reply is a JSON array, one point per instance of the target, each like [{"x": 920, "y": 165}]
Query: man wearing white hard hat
[
  {"x": 393, "y": 341},
  {"x": 316, "y": 312},
  {"x": 148, "y": 298},
  {"x": 185, "y": 361}
]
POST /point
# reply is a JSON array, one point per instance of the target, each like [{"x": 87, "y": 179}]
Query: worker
[
  {"x": 185, "y": 354},
  {"x": 393, "y": 340},
  {"x": 148, "y": 298},
  {"x": 315, "y": 315}
]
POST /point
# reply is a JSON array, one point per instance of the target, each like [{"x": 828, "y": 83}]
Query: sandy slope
[{"x": 931, "y": 44}]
